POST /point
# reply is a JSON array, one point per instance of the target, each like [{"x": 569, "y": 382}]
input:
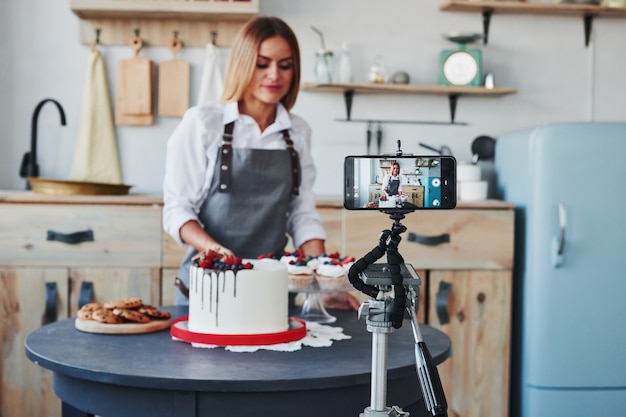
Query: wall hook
[
  {"x": 213, "y": 37},
  {"x": 97, "y": 36}
]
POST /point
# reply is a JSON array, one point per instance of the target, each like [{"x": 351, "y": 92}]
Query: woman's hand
[
  {"x": 194, "y": 235},
  {"x": 222, "y": 250},
  {"x": 216, "y": 248},
  {"x": 341, "y": 301}
]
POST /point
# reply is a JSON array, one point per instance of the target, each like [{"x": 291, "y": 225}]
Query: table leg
[{"x": 69, "y": 411}]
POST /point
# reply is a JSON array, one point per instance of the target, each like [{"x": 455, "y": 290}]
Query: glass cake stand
[{"x": 313, "y": 305}]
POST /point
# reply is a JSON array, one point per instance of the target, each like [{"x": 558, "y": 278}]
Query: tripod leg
[
  {"x": 427, "y": 373},
  {"x": 379, "y": 371}
]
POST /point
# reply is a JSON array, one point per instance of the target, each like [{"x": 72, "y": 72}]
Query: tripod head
[{"x": 394, "y": 271}]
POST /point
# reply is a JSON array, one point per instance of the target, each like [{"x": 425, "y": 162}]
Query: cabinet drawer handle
[
  {"x": 50, "y": 313},
  {"x": 429, "y": 240},
  {"x": 86, "y": 293},
  {"x": 71, "y": 238},
  {"x": 442, "y": 302}
]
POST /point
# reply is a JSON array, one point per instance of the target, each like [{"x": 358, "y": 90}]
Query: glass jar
[{"x": 324, "y": 67}]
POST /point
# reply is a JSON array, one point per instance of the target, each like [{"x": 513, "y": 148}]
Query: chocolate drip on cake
[
  {"x": 215, "y": 265},
  {"x": 213, "y": 276}
]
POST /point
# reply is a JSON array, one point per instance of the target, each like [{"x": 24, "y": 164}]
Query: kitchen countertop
[{"x": 29, "y": 197}]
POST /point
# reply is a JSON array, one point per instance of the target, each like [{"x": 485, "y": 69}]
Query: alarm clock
[{"x": 461, "y": 66}]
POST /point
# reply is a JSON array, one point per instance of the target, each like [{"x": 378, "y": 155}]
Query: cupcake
[
  {"x": 331, "y": 277},
  {"x": 299, "y": 269},
  {"x": 332, "y": 271}
]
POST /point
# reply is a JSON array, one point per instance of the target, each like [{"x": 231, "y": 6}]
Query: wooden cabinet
[
  {"x": 464, "y": 257},
  {"x": 173, "y": 255},
  {"x": 56, "y": 252},
  {"x": 27, "y": 388},
  {"x": 415, "y": 194},
  {"x": 331, "y": 215},
  {"x": 375, "y": 191}
]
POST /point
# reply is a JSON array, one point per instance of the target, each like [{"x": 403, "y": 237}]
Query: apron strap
[
  {"x": 226, "y": 160},
  {"x": 226, "y": 157},
  {"x": 295, "y": 163}
]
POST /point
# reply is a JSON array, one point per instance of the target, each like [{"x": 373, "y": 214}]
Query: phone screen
[{"x": 406, "y": 182}]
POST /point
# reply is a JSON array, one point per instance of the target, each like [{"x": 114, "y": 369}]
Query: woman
[
  {"x": 392, "y": 183},
  {"x": 239, "y": 173}
]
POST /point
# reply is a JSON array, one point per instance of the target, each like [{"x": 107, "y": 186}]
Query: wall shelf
[
  {"x": 488, "y": 8},
  {"x": 194, "y": 21},
  {"x": 452, "y": 92}
]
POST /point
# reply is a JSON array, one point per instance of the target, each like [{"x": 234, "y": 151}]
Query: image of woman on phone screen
[
  {"x": 392, "y": 183},
  {"x": 239, "y": 172}
]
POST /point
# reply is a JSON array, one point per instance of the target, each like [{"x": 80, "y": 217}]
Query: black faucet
[{"x": 29, "y": 167}]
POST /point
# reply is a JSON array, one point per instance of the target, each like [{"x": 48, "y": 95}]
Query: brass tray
[{"x": 62, "y": 187}]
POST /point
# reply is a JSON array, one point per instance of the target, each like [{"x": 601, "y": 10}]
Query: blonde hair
[{"x": 243, "y": 57}]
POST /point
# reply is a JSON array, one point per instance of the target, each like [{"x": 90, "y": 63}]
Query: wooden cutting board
[
  {"x": 135, "y": 89},
  {"x": 173, "y": 89},
  {"x": 91, "y": 326}
]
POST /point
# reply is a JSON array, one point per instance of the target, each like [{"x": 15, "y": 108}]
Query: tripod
[{"x": 383, "y": 313}]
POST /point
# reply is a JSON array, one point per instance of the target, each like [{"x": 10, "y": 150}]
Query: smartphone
[{"x": 399, "y": 183}]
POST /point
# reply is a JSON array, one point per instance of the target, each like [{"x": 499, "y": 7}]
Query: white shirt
[{"x": 192, "y": 153}]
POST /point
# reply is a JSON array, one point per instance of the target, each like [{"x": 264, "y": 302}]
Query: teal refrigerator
[{"x": 569, "y": 308}]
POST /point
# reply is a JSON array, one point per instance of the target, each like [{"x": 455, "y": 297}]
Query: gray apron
[
  {"x": 247, "y": 205},
  {"x": 393, "y": 186}
]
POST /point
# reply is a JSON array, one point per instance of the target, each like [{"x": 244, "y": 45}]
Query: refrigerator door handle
[{"x": 558, "y": 242}]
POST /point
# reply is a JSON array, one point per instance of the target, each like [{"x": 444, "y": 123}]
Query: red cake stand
[{"x": 296, "y": 331}]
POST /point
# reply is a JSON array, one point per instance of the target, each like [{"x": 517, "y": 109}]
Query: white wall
[{"x": 544, "y": 57}]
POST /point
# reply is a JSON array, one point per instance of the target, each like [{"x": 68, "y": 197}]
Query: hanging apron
[
  {"x": 247, "y": 206},
  {"x": 393, "y": 186}
]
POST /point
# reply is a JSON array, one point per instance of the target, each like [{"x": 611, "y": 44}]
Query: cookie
[
  {"x": 86, "y": 311},
  {"x": 132, "y": 302},
  {"x": 131, "y": 315},
  {"x": 154, "y": 312},
  {"x": 104, "y": 315}
]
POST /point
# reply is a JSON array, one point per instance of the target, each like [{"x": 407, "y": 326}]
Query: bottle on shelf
[
  {"x": 345, "y": 65},
  {"x": 377, "y": 73}
]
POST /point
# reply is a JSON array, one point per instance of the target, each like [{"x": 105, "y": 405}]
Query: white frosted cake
[
  {"x": 239, "y": 301},
  {"x": 389, "y": 202}
]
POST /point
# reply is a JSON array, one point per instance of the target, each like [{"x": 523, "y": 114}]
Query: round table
[{"x": 153, "y": 375}]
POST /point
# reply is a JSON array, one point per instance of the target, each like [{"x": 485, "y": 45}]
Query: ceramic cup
[
  {"x": 472, "y": 190},
  {"x": 467, "y": 172}
]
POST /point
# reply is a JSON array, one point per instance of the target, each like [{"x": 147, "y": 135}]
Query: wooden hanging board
[
  {"x": 173, "y": 91},
  {"x": 135, "y": 89}
]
